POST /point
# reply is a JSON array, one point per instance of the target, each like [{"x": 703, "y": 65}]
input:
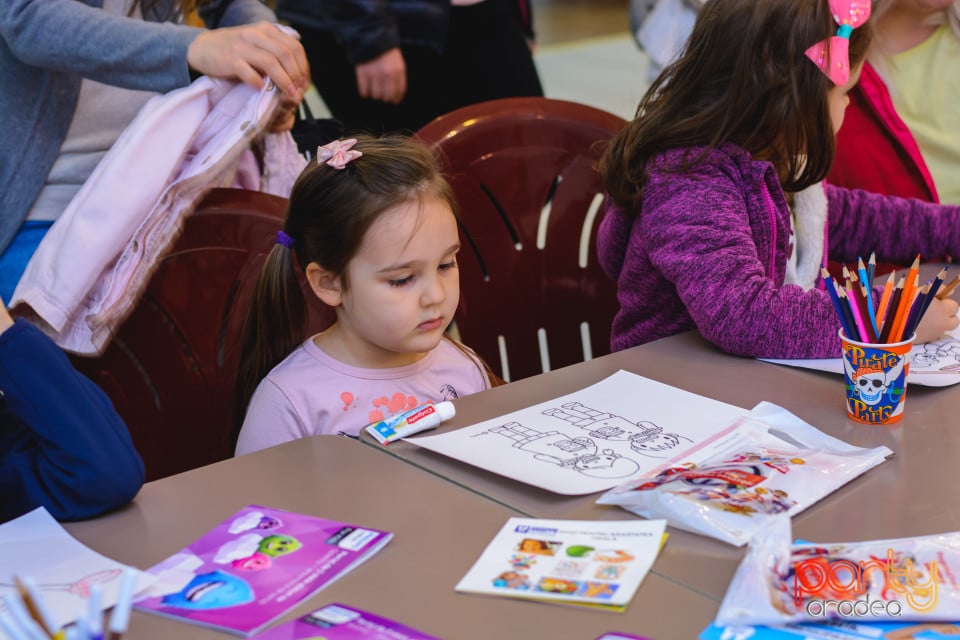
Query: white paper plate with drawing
[{"x": 592, "y": 439}]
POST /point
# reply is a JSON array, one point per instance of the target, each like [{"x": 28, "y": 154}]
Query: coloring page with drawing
[
  {"x": 592, "y": 439},
  {"x": 36, "y": 546}
]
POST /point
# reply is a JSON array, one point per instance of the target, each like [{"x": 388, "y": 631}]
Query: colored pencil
[
  {"x": 120, "y": 618},
  {"x": 906, "y": 302},
  {"x": 934, "y": 289},
  {"x": 93, "y": 620},
  {"x": 888, "y": 321},
  {"x": 21, "y": 618},
  {"x": 898, "y": 309},
  {"x": 35, "y": 605},
  {"x": 831, "y": 286},
  {"x": 857, "y": 318},
  {"x": 946, "y": 290},
  {"x": 862, "y": 272},
  {"x": 846, "y": 274},
  {"x": 919, "y": 307},
  {"x": 853, "y": 333},
  {"x": 865, "y": 300},
  {"x": 858, "y": 297},
  {"x": 866, "y": 282},
  {"x": 884, "y": 300}
]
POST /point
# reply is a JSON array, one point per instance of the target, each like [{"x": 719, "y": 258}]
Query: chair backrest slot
[
  {"x": 544, "y": 349},
  {"x": 586, "y": 231},
  {"x": 485, "y": 273},
  {"x": 543, "y": 225},
  {"x": 504, "y": 360},
  {"x": 524, "y": 174},
  {"x": 585, "y": 341},
  {"x": 511, "y": 229}
]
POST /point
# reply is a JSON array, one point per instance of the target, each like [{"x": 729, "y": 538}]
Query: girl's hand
[
  {"x": 285, "y": 115},
  {"x": 941, "y": 316},
  {"x": 249, "y": 52}
]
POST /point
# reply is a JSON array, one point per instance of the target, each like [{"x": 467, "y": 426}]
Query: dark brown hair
[
  {"x": 328, "y": 215},
  {"x": 743, "y": 78}
]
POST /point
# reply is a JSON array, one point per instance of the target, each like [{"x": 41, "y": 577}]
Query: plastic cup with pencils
[
  {"x": 876, "y": 379},
  {"x": 876, "y": 339}
]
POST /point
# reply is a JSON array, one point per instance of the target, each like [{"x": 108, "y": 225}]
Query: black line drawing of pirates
[
  {"x": 579, "y": 454},
  {"x": 644, "y": 437},
  {"x": 942, "y": 355}
]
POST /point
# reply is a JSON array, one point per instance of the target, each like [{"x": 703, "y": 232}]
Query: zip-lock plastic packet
[
  {"x": 904, "y": 579},
  {"x": 767, "y": 463}
]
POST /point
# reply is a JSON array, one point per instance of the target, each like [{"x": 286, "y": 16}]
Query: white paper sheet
[
  {"x": 36, "y": 546},
  {"x": 934, "y": 364},
  {"x": 592, "y": 439}
]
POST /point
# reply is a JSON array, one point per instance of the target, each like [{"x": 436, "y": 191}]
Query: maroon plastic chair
[
  {"x": 171, "y": 368},
  {"x": 533, "y": 297}
]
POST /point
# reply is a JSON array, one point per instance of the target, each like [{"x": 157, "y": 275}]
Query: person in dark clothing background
[{"x": 394, "y": 65}]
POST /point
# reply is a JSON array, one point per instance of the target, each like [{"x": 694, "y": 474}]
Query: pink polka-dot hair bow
[
  {"x": 833, "y": 54},
  {"x": 338, "y": 153}
]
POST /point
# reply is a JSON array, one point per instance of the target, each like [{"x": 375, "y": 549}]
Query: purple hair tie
[{"x": 284, "y": 239}]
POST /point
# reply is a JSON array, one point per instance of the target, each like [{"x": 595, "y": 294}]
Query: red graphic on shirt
[
  {"x": 397, "y": 403},
  {"x": 347, "y": 399}
]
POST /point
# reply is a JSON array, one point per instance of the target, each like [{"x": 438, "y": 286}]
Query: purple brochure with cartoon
[
  {"x": 340, "y": 622},
  {"x": 255, "y": 566}
]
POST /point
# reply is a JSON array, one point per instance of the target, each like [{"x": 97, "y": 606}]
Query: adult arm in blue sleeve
[{"x": 62, "y": 444}]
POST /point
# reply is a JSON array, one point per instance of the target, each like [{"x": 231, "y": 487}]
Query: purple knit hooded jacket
[{"x": 706, "y": 251}]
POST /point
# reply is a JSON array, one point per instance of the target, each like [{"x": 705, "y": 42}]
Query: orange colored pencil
[
  {"x": 906, "y": 303},
  {"x": 885, "y": 299},
  {"x": 888, "y": 321}
]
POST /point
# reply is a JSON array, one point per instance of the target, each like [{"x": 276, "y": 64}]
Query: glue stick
[{"x": 426, "y": 416}]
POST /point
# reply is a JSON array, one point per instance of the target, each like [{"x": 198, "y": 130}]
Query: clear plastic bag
[
  {"x": 905, "y": 579},
  {"x": 767, "y": 463}
]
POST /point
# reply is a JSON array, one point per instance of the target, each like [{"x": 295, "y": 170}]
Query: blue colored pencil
[
  {"x": 837, "y": 305},
  {"x": 866, "y": 282},
  {"x": 916, "y": 312}
]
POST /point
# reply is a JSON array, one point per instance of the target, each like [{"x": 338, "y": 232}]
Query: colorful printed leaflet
[
  {"x": 765, "y": 464},
  {"x": 255, "y": 566},
  {"x": 340, "y": 622},
  {"x": 587, "y": 562},
  {"x": 897, "y": 580}
]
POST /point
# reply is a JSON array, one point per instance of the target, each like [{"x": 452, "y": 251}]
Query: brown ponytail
[{"x": 276, "y": 323}]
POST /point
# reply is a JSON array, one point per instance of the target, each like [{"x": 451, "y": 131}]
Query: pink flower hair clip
[
  {"x": 849, "y": 14},
  {"x": 338, "y": 153}
]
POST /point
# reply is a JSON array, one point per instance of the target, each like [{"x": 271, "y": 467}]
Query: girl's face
[
  {"x": 838, "y": 98},
  {"x": 404, "y": 287}
]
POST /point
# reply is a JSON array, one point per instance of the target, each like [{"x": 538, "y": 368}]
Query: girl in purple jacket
[{"x": 719, "y": 220}]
